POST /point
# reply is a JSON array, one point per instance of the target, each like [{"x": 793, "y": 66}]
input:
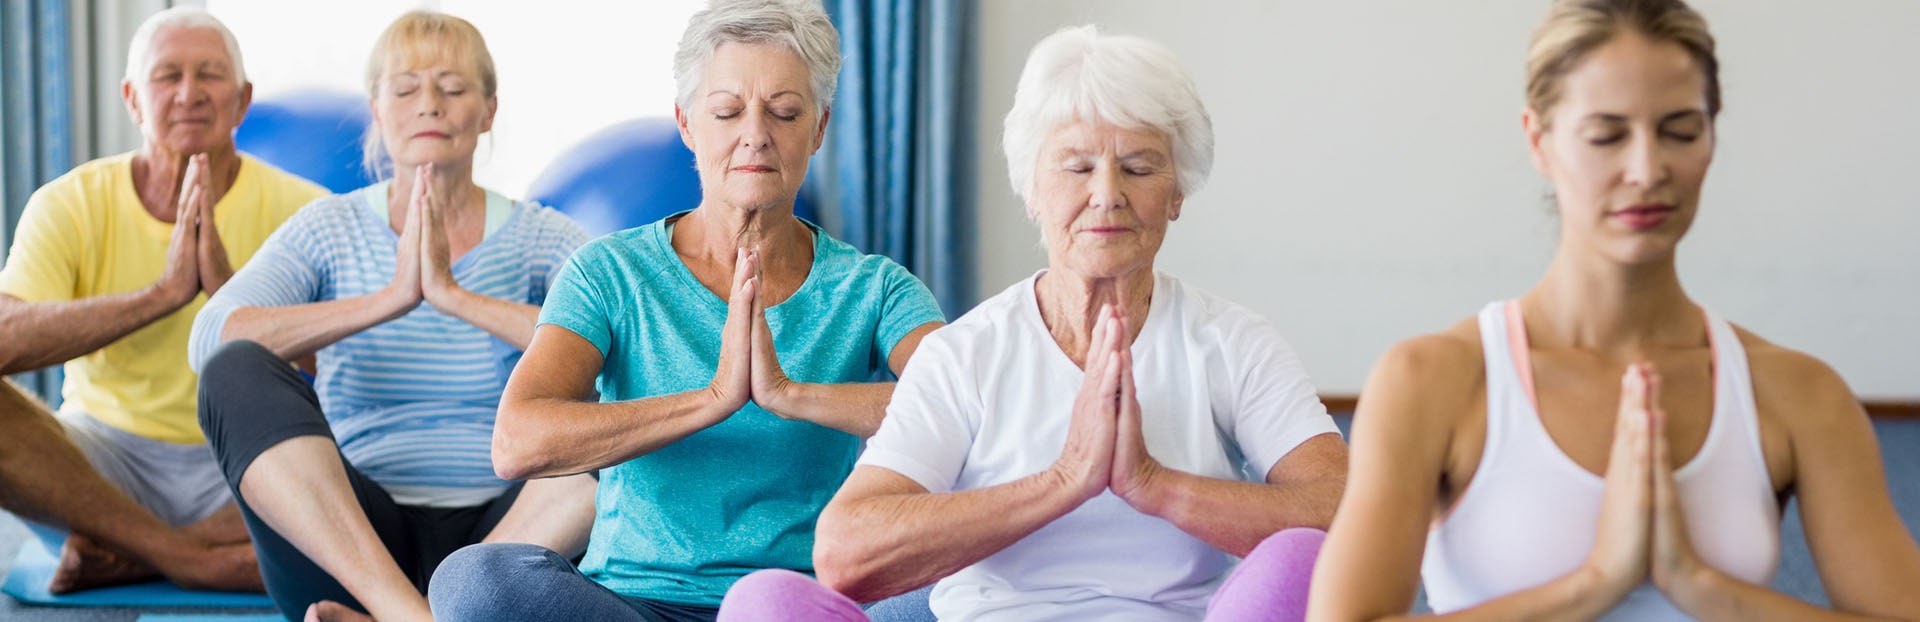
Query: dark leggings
[{"x": 251, "y": 400}]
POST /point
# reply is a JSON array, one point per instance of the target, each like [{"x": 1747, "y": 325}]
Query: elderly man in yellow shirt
[{"x": 109, "y": 265}]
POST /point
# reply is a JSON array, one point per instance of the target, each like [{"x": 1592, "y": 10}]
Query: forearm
[
  {"x": 1235, "y": 516},
  {"x": 510, "y": 321},
  {"x": 295, "y": 331},
  {"x": 855, "y": 407},
  {"x": 551, "y": 437},
  {"x": 881, "y": 546},
  {"x": 43, "y": 334},
  {"x": 1580, "y": 595},
  {"x": 1714, "y": 595}
]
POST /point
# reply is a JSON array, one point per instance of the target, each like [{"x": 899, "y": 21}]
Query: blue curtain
[
  {"x": 899, "y": 149},
  {"x": 36, "y": 125}
]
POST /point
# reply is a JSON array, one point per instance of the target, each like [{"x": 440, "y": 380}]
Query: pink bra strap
[{"x": 1523, "y": 357}]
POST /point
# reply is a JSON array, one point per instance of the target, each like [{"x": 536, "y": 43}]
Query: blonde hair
[
  {"x": 1574, "y": 28},
  {"x": 415, "y": 40}
]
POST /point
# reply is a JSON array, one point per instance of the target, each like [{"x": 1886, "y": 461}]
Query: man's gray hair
[
  {"x": 140, "y": 52},
  {"x": 800, "y": 25},
  {"x": 1079, "y": 74}
]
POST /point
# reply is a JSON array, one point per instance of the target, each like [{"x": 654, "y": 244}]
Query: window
[{"x": 567, "y": 68}]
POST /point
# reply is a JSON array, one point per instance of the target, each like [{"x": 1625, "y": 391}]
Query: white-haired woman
[
  {"x": 730, "y": 346},
  {"x": 1100, "y": 440}
]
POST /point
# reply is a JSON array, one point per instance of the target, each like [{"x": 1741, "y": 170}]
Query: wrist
[
  {"x": 716, "y": 405},
  {"x": 163, "y": 299},
  {"x": 449, "y": 299},
  {"x": 1598, "y": 587},
  {"x": 392, "y": 302},
  {"x": 1151, "y": 493},
  {"x": 782, "y": 399},
  {"x": 1073, "y": 479},
  {"x": 1691, "y": 586}
]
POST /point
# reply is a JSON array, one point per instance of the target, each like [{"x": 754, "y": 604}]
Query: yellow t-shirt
[{"x": 86, "y": 234}]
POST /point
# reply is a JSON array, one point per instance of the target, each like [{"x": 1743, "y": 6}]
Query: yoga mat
[{"x": 33, "y": 567}]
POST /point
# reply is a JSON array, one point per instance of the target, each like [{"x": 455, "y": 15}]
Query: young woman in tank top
[{"x": 1602, "y": 447}]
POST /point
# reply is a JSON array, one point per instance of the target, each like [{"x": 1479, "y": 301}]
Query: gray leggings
[{"x": 487, "y": 582}]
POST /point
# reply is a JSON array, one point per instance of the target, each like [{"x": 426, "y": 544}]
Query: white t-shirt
[{"x": 987, "y": 400}]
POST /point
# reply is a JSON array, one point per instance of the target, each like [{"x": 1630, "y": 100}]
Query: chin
[
  {"x": 759, "y": 201},
  {"x": 1651, "y": 250},
  {"x": 195, "y": 144},
  {"x": 1107, "y": 267}
]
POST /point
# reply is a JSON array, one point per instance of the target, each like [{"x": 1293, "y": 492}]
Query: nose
[
  {"x": 1103, "y": 187},
  {"x": 1646, "y": 163},
  {"x": 754, "y": 133},
  {"x": 431, "y": 104},
  {"x": 191, "y": 89}
]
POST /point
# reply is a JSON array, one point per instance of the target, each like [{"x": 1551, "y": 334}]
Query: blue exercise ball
[
  {"x": 315, "y": 134},
  {"x": 626, "y": 175}
]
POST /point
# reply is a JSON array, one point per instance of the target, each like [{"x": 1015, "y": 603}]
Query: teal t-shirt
[{"x": 683, "y": 523}]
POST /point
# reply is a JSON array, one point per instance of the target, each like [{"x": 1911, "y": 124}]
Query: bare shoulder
[
  {"x": 1437, "y": 360},
  {"x": 1433, "y": 374},
  {"x": 1795, "y": 385}
]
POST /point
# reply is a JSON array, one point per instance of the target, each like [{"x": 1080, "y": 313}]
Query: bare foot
[
  {"x": 329, "y": 611},
  {"x": 223, "y": 568},
  {"x": 85, "y": 564}
]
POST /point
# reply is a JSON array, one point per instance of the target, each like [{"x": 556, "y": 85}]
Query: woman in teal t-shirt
[{"x": 730, "y": 346}]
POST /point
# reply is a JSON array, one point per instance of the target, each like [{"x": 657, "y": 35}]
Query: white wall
[{"x": 1371, "y": 181}]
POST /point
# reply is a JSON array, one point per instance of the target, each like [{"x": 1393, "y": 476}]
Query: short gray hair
[
  {"x": 800, "y": 25},
  {"x": 1079, "y": 74},
  {"x": 140, "y": 52}
]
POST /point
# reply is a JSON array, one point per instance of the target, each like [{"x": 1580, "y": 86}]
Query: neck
[
  {"x": 1592, "y": 304},
  {"x": 1070, "y": 304},
  {"x": 715, "y": 231},
  {"x": 451, "y": 182},
  {"x": 159, "y": 172}
]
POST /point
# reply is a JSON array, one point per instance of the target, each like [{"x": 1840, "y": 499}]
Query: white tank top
[{"x": 1529, "y": 514}]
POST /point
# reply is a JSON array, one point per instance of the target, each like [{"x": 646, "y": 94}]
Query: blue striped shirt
[{"x": 412, "y": 400}]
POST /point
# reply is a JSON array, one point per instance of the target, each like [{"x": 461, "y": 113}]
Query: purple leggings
[{"x": 1269, "y": 585}]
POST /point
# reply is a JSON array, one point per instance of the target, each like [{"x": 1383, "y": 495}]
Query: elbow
[
  {"x": 512, "y": 462},
  {"x": 838, "y": 573},
  {"x": 840, "y": 565},
  {"x": 509, "y": 466},
  {"x": 514, "y": 455}
]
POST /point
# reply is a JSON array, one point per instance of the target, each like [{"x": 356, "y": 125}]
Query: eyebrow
[
  {"x": 1671, "y": 116},
  {"x": 773, "y": 96},
  {"x": 217, "y": 64}
]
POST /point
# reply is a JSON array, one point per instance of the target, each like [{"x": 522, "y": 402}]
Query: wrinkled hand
[
  {"x": 1087, "y": 460},
  {"x": 1134, "y": 469},
  {"x": 1624, "y": 535},
  {"x": 214, "y": 267},
  {"x": 405, "y": 293},
  {"x": 732, "y": 384},
  {"x": 180, "y": 279},
  {"x": 436, "y": 253},
  {"x": 772, "y": 389}
]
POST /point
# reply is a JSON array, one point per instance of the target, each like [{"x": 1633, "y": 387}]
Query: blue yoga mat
[
  {"x": 33, "y": 568},
  {"x": 209, "y": 617}
]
